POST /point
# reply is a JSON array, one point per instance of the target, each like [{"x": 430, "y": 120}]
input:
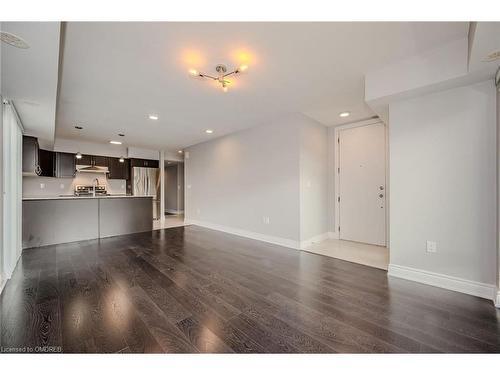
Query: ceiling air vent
[{"x": 13, "y": 40}]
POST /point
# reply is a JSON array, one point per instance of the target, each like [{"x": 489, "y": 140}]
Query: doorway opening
[
  {"x": 360, "y": 195},
  {"x": 174, "y": 194}
]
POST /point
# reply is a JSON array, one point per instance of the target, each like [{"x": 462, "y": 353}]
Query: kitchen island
[{"x": 55, "y": 220}]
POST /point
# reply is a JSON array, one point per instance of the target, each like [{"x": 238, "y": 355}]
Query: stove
[{"x": 87, "y": 190}]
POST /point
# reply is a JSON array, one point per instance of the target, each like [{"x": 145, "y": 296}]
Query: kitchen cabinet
[
  {"x": 117, "y": 170},
  {"x": 94, "y": 160},
  {"x": 47, "y": 164},
  {"x": 144, "y": 163},
  {"x": 31, "y": 164},
  {"x": 65, "y": 165},
  {"x": 100, "y": 161}
]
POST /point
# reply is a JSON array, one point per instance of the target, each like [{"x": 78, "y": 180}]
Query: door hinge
[
  {"x": 338, "y": 199},
  {"x": 338, "y": 170},
  {"x": 339, "y": 229},
  {"x": 338, "y": 140}
]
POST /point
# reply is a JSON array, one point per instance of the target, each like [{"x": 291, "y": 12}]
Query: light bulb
[
  {"x": 122, "y": 160},
  {"x": 242, "y": 68},
  {"x": 193, "y": 72}
]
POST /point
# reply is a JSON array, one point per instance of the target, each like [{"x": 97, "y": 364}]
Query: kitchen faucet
[{"x": 95, "y": 182}]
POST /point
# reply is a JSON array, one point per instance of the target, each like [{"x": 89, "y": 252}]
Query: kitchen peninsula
[{"x": 55, "y": 220}]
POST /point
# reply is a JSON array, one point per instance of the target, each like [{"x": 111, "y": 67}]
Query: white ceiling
[
  {"x": 115, "y": 74},
  {"x": 29, "y": 76}
]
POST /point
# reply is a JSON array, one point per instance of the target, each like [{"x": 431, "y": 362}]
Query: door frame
[{"x": 336, "y": 153}]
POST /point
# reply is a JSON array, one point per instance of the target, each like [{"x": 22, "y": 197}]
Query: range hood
[{"x": 91, "y": 169}]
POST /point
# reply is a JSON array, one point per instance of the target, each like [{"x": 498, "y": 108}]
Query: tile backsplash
[{"x": 49, "y": 186}]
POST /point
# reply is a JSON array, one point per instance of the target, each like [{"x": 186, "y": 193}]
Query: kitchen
[{"x": 71, "y": 196}]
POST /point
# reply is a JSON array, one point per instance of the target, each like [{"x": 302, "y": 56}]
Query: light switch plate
[
  {"x": 42, "y": 186},
  {"x": 431, "y": 247}
]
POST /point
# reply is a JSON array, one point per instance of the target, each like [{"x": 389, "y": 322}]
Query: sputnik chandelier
[{"x": 222, "y": 74}]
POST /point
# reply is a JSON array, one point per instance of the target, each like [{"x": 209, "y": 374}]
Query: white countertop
[{"x": 84, "y": 197}]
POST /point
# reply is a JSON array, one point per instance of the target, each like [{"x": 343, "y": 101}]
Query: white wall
[
  {"x": 143, "y": 153},
  {"x": 443, "y": 183},
  {"x": 497, "y": 303},
  {"x": 233, "y": 182},
  {"x": 276, "y": 171},
  {"x": 313, "y": 181},
  {"x": 12, "y": 190},
  {"x": 2, "y": 276},
  {"x": 91, "y": 148}
]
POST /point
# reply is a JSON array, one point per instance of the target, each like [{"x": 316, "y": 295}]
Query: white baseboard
[
  {"x": 244, "y": 233},
  {"x": 456, "y": 284},
  {"x": 321, "y": 237},
  {"x": 497, "y": 300}
]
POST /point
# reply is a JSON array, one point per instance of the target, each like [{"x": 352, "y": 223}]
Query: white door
[{"x": 361, "y": 199}]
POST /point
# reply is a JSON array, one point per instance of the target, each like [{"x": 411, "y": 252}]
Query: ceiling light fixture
[
  {"x": 78, "y": 155},
  {"x": 222, "y": 74},
  {"x": 344, "y": 114},
  {"x": 153, "y": 117},
  {"x": 115, "y": 142},
  {"x": 209, "y": 131}
]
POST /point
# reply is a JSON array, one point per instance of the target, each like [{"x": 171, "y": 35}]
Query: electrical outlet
[
  {"x": 123, "y": 186},
  {"x": 431, "y": 247},
  {"x": 265, "y": 219},
  {"x": 42, "y": 186}
]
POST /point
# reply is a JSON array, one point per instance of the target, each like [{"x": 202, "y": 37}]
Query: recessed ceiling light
[
  {"x": 78, "y": 155},
  {"x": 78, "y": 127},
  {"x": 115, "y": 142},
  {"x": 121, "y": 160},
  {"x": 180, "y": 151},
  {"x": 153, "y": 117},
  {"x": 209, "y": 131},
  {"x": 344, "y": 114},
  {"x": 121, "y": 134}
]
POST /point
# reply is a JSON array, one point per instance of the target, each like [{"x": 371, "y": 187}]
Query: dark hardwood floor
[{"x": 189, "y": 290}]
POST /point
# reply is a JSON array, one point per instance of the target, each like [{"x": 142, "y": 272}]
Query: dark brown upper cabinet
[
  {"x": 31, "y": 163},
  {"x": 144, "y": 163},
  {"x": 65, "y": 165},
  {"x": 94, "y": 160},
  {"x": 118, "y": 170},
  {"x": 47, "y": 163}
]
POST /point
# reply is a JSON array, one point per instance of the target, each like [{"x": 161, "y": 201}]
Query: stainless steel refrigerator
[{"x": 145, "y": 182}]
